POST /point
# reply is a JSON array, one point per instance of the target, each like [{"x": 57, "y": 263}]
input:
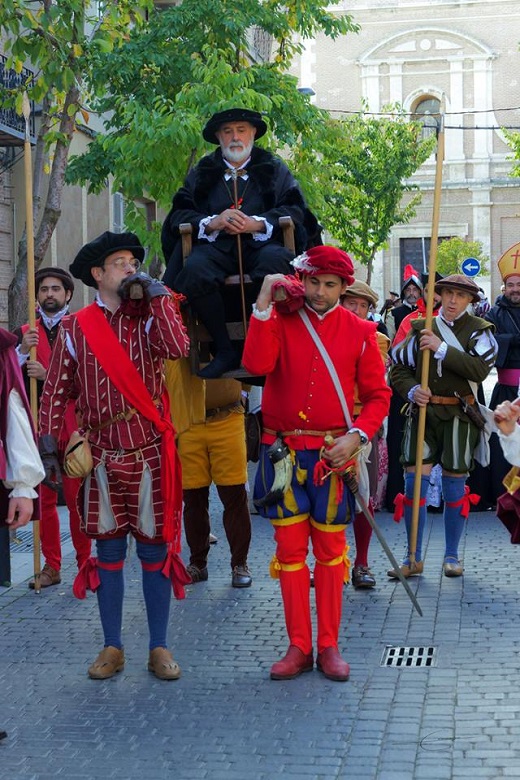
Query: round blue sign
[{"x": 470, "y": 266}]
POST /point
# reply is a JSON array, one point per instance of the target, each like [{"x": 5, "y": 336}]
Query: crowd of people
[{"x": 154, "y": 437}]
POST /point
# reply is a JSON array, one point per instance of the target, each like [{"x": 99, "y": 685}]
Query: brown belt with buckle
[
  {"x": 451, "y": 400},
  {"x": 226, "y": 408},
  {"x": 301, "y": 432}
]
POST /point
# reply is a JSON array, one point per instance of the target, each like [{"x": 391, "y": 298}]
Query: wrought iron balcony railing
[{"x": 12, "y": 125}]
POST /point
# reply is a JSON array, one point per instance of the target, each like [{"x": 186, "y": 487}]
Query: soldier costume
[
  {"x": 451, "y": 437},
  {"x": 300, "y": 403},
  {"x": 48, "y": 327},
  {"x": 110, "y": 357}
]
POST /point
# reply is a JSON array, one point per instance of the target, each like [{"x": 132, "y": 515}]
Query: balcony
[{"x": 12, "y": 125}]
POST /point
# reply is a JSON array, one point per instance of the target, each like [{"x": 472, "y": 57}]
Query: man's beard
[
  {"x": 51, "y": 307},
  {"x": 239, "y": 153}
]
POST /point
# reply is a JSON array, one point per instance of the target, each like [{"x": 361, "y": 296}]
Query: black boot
[{"x": 210, "y": 311}]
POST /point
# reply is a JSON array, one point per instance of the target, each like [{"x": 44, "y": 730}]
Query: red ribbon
[
  {"x": 175, "y": 570},
  {"x": 465, "y": 502},
  {"x": 400, "y": 501},
  {"x": 86, "y": 579}
]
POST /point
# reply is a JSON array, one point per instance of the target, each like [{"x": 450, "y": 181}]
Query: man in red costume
[
  {"x": 54, "y": 289},
  {"x": 110, "y": 357},
  {"x": 301, "y": 405}
]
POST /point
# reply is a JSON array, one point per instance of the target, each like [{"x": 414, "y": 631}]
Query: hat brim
[
  {"x": 209, "y": 132},
  {"x": 81, "y": 266},
  {"x": 440, "y": 286}
]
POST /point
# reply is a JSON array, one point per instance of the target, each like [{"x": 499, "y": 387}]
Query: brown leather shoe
[
  {"x": 294, "y": 663},
  {"x": 48, "y": 577},
  {"x": 241, "y": 577},
  {"x": 110, "y": 661},
  {"x": 161, "y": 663},
  {"x": 453, "y": 569},
  {"x": 331, "y": 664},
  {"x": 407, "y": 570}
]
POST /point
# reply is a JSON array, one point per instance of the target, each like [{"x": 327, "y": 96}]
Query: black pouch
[
  {"x": 473, "y": 413},
  {"x": 253, "y": 424}
]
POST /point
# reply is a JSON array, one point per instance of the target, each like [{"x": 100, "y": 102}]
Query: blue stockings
[
  {"x": 409, "y": 480},
  {"x": 453, "y": 491},
  {"x": 156, "y": 589}
]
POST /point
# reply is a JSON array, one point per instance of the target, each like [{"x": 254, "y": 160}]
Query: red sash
[{"x": 114, "y": 360}]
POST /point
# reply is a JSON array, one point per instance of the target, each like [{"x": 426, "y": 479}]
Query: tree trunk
[{"x": 17, "y": 293}]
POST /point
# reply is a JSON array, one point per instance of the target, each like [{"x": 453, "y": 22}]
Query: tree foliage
[
  {"x": 187, "y": 63},
  {"x": 369, "y": 171},
  {"x": 63, "y": 41},
  {"x": 452, "y": 252}
]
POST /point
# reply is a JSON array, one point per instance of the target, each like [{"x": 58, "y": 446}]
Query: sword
[{"x": 349, "y": 478}]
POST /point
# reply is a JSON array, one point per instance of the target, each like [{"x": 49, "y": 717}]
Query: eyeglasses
[{"x": 121, "y": 262}]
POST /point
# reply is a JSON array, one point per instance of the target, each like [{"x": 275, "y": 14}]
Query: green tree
[
  {"x": 187, "y": 63},
  {"x": 63, "y": 40},
  {"x": 453, "y": 251},
  {"x": 368, "y": 190}
]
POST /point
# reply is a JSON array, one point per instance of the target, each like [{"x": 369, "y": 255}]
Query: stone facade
[{"x": 464, "y": 53}]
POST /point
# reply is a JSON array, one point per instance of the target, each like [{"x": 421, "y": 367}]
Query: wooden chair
[{"x": 198, "y": 335}]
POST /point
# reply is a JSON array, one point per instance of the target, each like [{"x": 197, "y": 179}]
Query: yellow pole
[
  {"x": 432, "y": 267},
  {"x": 31, "y": 297}
]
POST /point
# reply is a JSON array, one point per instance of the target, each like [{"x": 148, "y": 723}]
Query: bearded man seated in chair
[{"x": 265, "y": 191}]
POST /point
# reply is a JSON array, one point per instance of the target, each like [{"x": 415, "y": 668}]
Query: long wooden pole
[
  {"x": 432, "y": 267},
  {"x": 31, "y": 297},
  {"x": 240, "y": 259}
]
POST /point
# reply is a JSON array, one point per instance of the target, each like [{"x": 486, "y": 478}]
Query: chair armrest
[
  {"x": 287, "y": 226},
  {"x": 186, "y": 230}
]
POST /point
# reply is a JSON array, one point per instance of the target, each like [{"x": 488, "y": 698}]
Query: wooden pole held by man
[
  {"x": 31, "y": 297},
  {"x": 421, "y": 422}
]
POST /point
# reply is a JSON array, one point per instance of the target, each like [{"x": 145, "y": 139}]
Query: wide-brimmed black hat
[
  {"x": 459, "y": 282},
  {"x": 94, "y": 253},
  {"x": 233, "y": 115},
  {"x": 57, "y": 273}
]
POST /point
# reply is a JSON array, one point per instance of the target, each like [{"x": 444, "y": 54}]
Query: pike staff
[
  {"x": 234, "y": 177},
  {"x": 31, "y": 296},
  {"x": 421, "y": 421}
]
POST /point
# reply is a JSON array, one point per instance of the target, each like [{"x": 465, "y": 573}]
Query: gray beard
[{"x": 237, "y": 155}]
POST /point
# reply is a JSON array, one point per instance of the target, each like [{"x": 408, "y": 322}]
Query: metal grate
[{"x": 409, "y": 656}]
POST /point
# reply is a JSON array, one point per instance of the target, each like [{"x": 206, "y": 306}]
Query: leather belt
[
  {"x": 300, "y": 432},
  {"x": 450, "y": 400},
  {"x": 226, "y": 408}
]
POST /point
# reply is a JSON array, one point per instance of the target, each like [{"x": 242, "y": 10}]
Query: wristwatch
[{"x": 362, "y": 435}]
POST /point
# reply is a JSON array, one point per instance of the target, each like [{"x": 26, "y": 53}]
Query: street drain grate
[{"x": 409, "y": 656}]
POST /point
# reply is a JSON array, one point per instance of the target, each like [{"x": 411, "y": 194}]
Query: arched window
[{"x": 427, "y": 110}]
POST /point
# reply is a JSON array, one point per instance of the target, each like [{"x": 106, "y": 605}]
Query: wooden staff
[
  {"x": 421, "y": 423},
  {"x": 31, "y": 297},
  {"x": 239, "y": 253}
]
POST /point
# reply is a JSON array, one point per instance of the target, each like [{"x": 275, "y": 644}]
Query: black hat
[
  {"x": 459, "y": 282},
  {"x": 425, "y": 278},
  {"x": 233, "y": 115},
  {"x": 94, "y": 253},
  {"x": 57, "y": 273}
]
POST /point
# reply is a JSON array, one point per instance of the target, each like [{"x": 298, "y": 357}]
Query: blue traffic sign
[{"x": 470, "y": 266}]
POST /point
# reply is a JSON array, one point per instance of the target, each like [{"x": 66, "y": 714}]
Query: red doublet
[{"x": 299, "y": 393}]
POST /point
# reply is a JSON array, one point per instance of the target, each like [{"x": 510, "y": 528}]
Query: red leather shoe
[
  {"x": 332, "y": 665},
  {"x": 292, "y": 664}
]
